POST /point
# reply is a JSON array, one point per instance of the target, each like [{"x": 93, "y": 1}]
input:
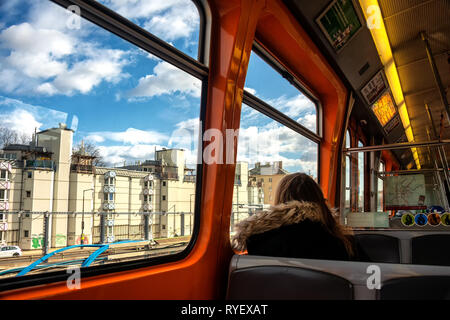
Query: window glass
[
  {"x": 380, "y": 189},
  {"x": 360, "y": 179},
  {"x": 175, "y": 21},
  {"x": 267, "y": 150},
  {"x": 347, "y": 193},
  {"x": 95, "y": 110},
  {"x": 268, "y": 85}
]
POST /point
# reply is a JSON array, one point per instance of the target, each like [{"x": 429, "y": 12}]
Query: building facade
[
  {"x": 92, "y": 204},
  {"x": 46, "y": 177},
  {"x": 269, "y": 176}
]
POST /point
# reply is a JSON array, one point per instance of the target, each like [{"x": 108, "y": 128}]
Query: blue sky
[{"x": 119, "y": 97}]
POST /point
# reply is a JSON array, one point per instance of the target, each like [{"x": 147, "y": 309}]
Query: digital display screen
[{"x": 384, "y": 108}]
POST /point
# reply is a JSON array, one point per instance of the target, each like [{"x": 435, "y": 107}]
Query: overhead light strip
[{"x": 375, "y": 23}]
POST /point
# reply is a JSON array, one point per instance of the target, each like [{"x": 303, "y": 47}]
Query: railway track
[{"x": 118, "y": 253}]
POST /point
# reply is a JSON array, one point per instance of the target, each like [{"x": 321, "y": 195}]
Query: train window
[
  {"x": 101, "y": 123},
  {"x": 360, "y": 178},
  {"x": 267, "y": 151},
  {"x": 347, "y": 193},
  {"x": 277, "y": 136},
  {"x": 177, "y": 21},
  {"x": 380, "y": 188},
  {"x": 269, "y": 85}
]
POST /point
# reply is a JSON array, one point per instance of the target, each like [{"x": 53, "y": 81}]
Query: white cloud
[
  {"x": 250, "y": 90},
  {"x": 45, "y": 57},
  {"x": 118, "y": 155},
  {"x": 23, "y": 38},
  {"x": 130, "y": 136},
  {"x": 95, "y": 138},
  {"x": 274, "y": 142},
  {"x": 299, "y": 108},
  {"x": 11, "y": 80},
  {"x": 25, "y": 118},
  {"x": 166, "y": 79},
  {"x": 21, "y": 121},
  {"x": 178, "y": 22},
  {"x": 167, "y": 19},
  {"x": 309, "y": 121},
  {"x": 85, "y": 75},
  {"x": 139, "y": 145},
  {"x": 293, "y": 106},
  {"x": 35, "y": 52}
]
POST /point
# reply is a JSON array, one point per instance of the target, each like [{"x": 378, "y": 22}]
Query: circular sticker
[
  {"x": 445, "y": 219},
  {"x": 408, "y": 219},
  {"x": 421, "y": 219},
  {"x": 434, "y": 219}
]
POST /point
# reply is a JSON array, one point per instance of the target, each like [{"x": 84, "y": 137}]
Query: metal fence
[{"x": 33, "y": 230}]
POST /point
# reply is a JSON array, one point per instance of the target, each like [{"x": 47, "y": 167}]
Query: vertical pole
[
  {"x": 182, "y": 224},
  {"x": 441, "y": 154},
  {"x": 436, "y": 75},
  {"x": 46, "y": 233},
  {"x": 442, "y": 184},
  {"x": 146, "y": 226},
  {"x": 82, "y": 224},
  {"x": 102, "y": 227}
]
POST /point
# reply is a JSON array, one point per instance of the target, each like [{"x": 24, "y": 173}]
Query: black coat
[
  {"x": 306, "y": 239},
  {"x": 293, "y": 230}
]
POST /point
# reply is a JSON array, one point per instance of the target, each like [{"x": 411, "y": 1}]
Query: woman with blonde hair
[{"x": 300, "y": 225}]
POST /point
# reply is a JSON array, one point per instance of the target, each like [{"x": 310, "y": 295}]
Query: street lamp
[{"x": 82, "y": 218}]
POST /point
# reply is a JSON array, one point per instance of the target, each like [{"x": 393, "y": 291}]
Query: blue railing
[{"x": 86, "y": 263}]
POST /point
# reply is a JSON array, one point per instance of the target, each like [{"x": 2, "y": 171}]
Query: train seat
[
  {"x": 380, "y": 247},
  {"x": 287, "y": 283},
  {"x": 271, "y": 278},
  {"x": 430, "y": 250},
  {"x": 416, "y": 288}
]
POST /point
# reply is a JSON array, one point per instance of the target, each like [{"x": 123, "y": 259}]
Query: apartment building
[
  {"x": 269, "y": 175},
  {"x": 46, "y": 177}
]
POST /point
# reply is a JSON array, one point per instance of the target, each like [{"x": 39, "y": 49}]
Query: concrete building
[
  {"x": 248, "y": 195},
  {"x": 269, "y": 175},
  {"x": 46, "y": 177}
]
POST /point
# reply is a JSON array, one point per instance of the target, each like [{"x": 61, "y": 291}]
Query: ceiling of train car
[
  {"x": 358, "y": 61},
  {"x": 404, "y": 21}
]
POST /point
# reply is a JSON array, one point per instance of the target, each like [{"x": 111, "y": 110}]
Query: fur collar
[{"x": 281, "y": 215}]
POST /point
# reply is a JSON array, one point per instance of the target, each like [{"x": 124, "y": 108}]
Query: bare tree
[
  {"x": 90, "y": 149},
  {"x": 9, "y": 136}
]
